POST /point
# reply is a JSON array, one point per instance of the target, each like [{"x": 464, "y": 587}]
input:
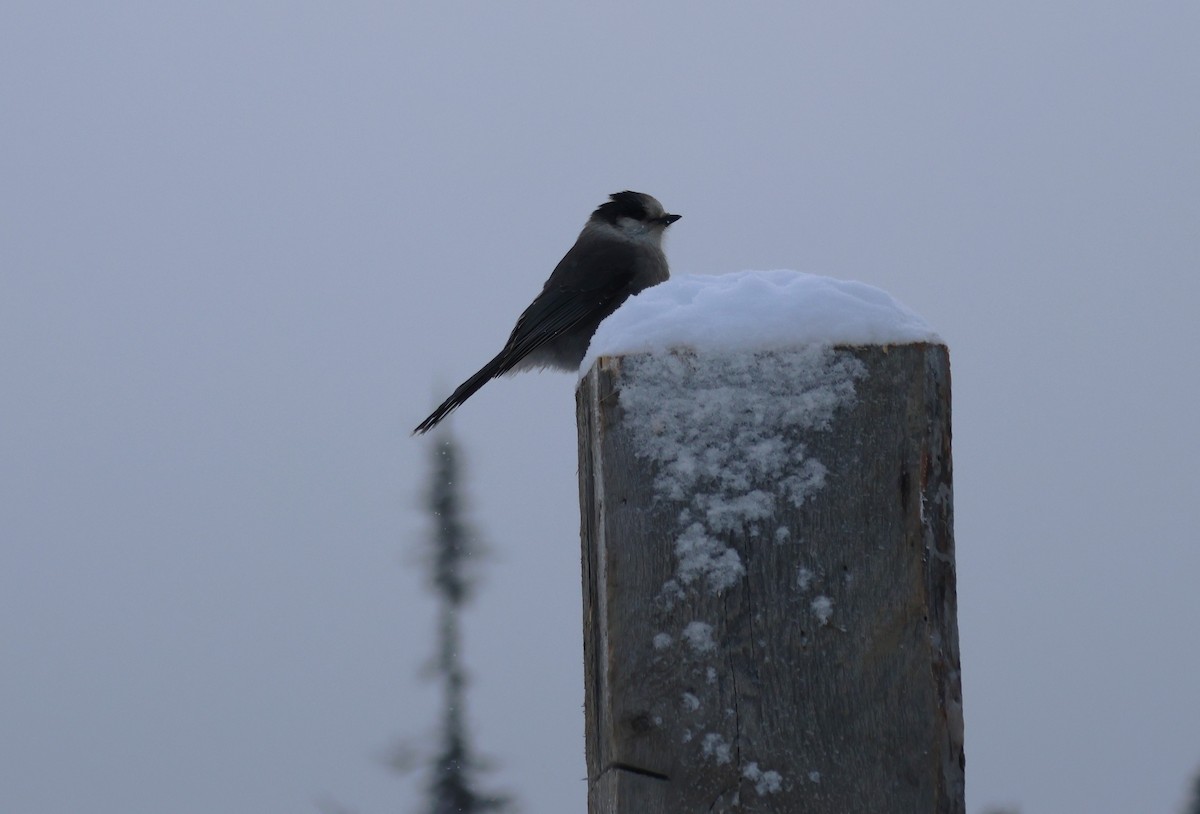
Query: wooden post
[{"x": 768, "y": 569}]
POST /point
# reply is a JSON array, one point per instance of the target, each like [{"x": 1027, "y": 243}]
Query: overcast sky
[{"x": 245, "y": 246}]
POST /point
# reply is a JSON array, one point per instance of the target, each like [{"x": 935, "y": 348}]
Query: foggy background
[{"x": 246, "y": 246}]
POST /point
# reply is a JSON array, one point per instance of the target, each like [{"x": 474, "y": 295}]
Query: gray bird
[{"x": 618, "y": 253}]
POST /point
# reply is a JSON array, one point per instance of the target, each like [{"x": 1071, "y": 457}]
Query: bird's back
[{"x": 591, "y": 281}]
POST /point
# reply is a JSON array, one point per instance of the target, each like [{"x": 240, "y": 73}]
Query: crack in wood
[
  {"x": 625, "y": 767},
  {"x": 737, "y": 712}
]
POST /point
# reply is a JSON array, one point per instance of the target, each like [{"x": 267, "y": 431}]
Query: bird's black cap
[{"x": 625, "y": 204}]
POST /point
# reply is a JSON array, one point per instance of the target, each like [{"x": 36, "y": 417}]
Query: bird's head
[{"x": 634, "y": 215}]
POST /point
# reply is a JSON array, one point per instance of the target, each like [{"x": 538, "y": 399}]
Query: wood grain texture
[{"x": 825, "y": 677}]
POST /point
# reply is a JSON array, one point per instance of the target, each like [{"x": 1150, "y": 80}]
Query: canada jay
[{"x": 618, "y": 253}]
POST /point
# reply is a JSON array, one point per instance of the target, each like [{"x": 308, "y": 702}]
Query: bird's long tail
[{"x": 464, "y": 391}]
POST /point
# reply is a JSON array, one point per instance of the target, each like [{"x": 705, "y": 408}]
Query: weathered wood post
[{"x": 769, "y": 587}]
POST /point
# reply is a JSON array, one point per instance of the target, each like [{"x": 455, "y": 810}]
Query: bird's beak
[{"x": 667, "y": 220}]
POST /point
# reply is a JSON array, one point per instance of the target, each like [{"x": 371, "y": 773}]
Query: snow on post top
[{"x": 756, "y": 310}]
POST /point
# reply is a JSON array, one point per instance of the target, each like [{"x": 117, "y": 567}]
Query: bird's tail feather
[{"x": 464, "y": 391}]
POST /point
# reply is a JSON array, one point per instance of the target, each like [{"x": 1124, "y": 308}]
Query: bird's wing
[{"x": 566, "y": 302}]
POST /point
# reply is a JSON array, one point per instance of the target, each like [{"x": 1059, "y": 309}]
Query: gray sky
[{"x": 245, "y": 247}]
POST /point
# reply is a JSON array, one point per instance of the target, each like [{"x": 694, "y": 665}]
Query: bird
[{"x": 618, "y": 253}]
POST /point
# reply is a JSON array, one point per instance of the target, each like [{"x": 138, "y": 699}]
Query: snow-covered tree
[{"x": 451, "y": 555}]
